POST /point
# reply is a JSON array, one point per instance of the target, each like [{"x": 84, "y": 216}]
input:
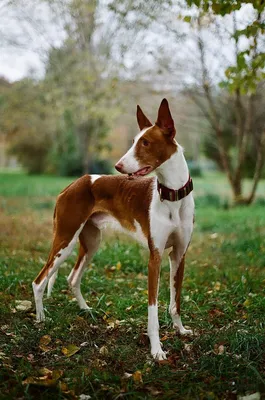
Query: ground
[{"x": 105, "y": 353}]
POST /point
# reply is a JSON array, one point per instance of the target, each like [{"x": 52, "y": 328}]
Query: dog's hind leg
[
  {"x": 51, "y": 283},
  {"x": 61, "y": 249},
  {"x": 89, "y": 243},
  {"x": 177, "y": 265}
]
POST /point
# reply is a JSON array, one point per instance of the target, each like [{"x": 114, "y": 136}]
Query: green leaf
[{"x": 187, "y": 18}]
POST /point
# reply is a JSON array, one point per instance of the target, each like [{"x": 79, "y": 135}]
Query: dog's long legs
[
  {"x": 177, "y": 264},
  {"x": 62, "y": 247},
  {"x": 153, "y": 286},
  {"x": 89, "y": 242}
]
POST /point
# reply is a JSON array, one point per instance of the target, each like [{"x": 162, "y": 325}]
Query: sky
[{"x": 29, "y": 29}]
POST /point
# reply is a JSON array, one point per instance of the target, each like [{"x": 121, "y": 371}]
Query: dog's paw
[
  {"x": 40, "y": 317},
  {"x": 159, "y": 355},
  {"x": 183, "y": 331}
]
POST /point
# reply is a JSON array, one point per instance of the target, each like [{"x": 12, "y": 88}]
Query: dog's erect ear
[
  {"x": 143, "y": 121},
  {"x": 165, "y": 120}
]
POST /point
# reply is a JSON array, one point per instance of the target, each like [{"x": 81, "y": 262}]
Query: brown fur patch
[
  {"x": 178, "y": 282},
  {"x": 153, "y": 276},
  {"x": 125, "y": 199},
  {"x": 154, "y": 148}
]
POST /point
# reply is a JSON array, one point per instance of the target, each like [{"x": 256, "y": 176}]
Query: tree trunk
[{"x": 258, "y": 168}]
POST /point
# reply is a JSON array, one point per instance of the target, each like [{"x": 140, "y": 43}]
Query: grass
[{"x": 222, "y": 301}]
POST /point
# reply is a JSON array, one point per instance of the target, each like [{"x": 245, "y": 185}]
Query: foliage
[
  {"x": 227, "y": 110},
  {"x": 250, "y": 63},
  {"x": 26, "y": 121},
  {"x": 105, "y": 353}
]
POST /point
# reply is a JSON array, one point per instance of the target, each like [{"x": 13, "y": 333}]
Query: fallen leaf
[
  {"x": 104, "y": 350},
  {"x": 129, "y": 308},
  {"x": 219, "y": 349},
  {"x": 214, "y": 235},
  {"x": 187, "y": 347},
  {"x": 247, "y": 303},
  {"x": 84, "y": 397},
  {"x": 40, "y": 381},
  {"x": 137, "y": 377},
  {"x": 23, "y": 305},
  {"x": 118, "y": 265},
  {"x": 153, "y": 390},
  {"x": 127, "y": 375},
  {"x": 70, "y": 350},
  {"x": 44, "y": 341},
  {"x": 44, "y": 371},
  {"x": 217, "y": 286}
]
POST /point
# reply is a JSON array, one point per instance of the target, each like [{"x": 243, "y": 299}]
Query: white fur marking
[
  {"x": 130, "y": 164},
  {"x": 51, "y": 283},
  {"x": 153, "y": 333},
  {"x": 74, "y": 281},
  {"x": 94, "y": 177}
]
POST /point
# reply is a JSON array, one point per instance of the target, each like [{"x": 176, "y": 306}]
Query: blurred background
[{"x": 73, "y": 71}]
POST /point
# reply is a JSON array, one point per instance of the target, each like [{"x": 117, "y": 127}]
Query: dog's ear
[
  {"x": 165, "y": 120},
  {"x": 142, "y": 120}
]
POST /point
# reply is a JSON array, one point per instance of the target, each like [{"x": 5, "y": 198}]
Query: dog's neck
[{"x": 174, "y": 172}]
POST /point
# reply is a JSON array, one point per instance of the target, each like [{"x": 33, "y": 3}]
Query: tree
[
  {"x": 241, "y": 81},
  {"x": 26, "y": 121},
  {"x": 76, "y": 82}
]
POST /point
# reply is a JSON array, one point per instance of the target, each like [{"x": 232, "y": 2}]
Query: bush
[{"x": 195, "y": 169}]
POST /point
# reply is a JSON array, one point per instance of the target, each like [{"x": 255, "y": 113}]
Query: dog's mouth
[{"x": 142, "y": 171}]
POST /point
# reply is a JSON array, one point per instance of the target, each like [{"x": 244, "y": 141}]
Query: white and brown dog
[{"x": 157, "y": 211}]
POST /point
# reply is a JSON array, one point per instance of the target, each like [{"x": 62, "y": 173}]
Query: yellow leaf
[
  {"x": 118, "y": 265},
  {"x": 70, "y": 350},
  {"x": 217, "y": 286},
  {"x": 137, "y": 377},
  {"x": 129, "y": 308},
  {"x": 44, "y": 341},
  {"x": 247, "y": 303},
  {"x": 44, "y": 372},
  {"x": 40, "y": 381}
]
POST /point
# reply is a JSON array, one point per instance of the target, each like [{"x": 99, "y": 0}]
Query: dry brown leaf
[
  {"x": 104, "y": 350},
  {"x": 70, "y": 350},
  {"x": 219, "y": 349},
  {"x": 40, "y": 381},
  {"x": 44, "y": 341}
]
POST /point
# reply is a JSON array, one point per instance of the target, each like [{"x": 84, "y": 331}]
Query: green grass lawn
[{"x": 105, "y": 353}]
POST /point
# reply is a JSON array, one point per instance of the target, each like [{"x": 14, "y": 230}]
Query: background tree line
[{"x": 78, "y": 115}]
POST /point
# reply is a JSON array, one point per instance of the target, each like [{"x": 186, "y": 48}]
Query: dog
[{"x": 158, "y": 211}]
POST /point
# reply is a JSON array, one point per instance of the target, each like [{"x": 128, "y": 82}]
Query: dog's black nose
[{"x": 119, "y": 166}]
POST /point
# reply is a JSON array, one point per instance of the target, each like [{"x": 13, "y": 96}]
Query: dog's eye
[{"x": 145, "y": 142}]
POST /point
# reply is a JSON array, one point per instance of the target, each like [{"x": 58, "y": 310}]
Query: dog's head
[{"x": 154, "y": 145}]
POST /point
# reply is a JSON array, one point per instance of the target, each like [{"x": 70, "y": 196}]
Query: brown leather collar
[{"x": 174, "y": 195}]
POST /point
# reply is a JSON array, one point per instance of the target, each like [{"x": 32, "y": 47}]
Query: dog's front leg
[{"x": 153, "y": 324}]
